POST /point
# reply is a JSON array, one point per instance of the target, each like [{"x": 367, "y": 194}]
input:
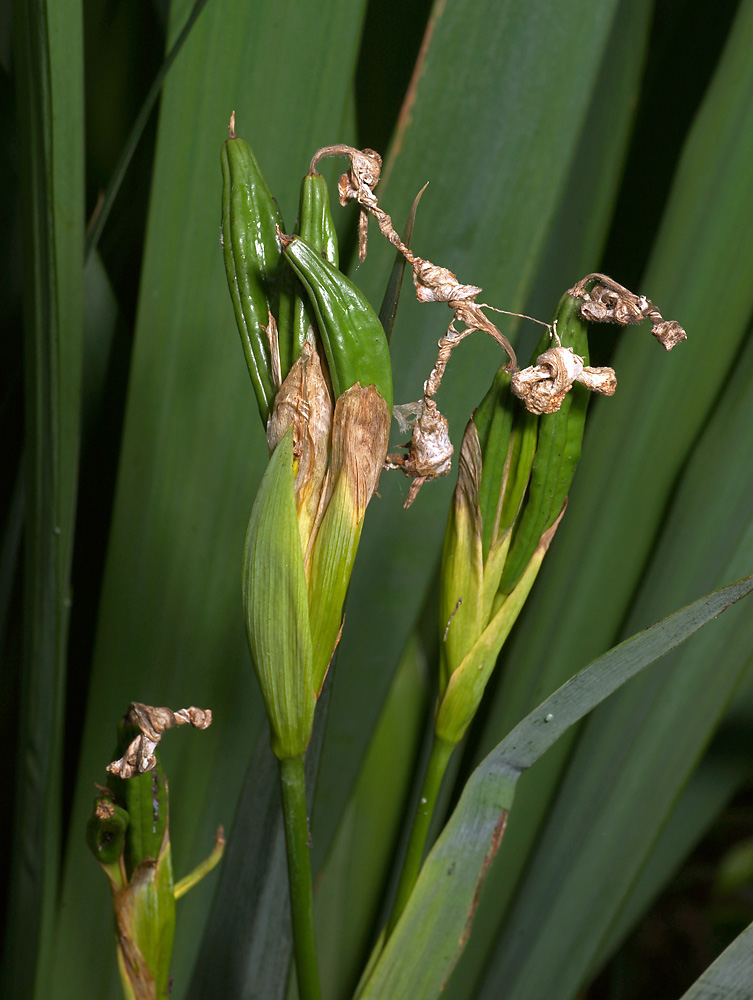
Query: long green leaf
[
  {"x": 49, "y": 85},
  {"x": 724, "y": 770},
  {"x": 667, "y": 716},
  {"x": 351, "y": 886},
  {"x": 424, "y": 946},
  {"x": 170, "y": 625},
  {"x": 730, "y": 976},
  {"x": 639, "y": 440},
  {"x": 493, "y": 193}
]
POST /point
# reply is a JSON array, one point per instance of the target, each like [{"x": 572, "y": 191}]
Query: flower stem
[
  {"x": 439, "y": 758},
  {"x": 292, "y": 784}
]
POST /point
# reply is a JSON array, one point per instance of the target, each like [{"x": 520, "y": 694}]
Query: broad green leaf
[
  {"x": 730, "y": 976},
  {"x": 351, "y": 885},
  {"x": 113, "y": 188},
  {"x": 171, "y": 623},
  {"x": 668, "y": 716},
  {"x": 725, "y": 768},
  {"x": 437, "y": 920},
  {"x": 496, "y": 176},
  {"x": 639, "y": 440},
  {"x": 49, "y": 86}
]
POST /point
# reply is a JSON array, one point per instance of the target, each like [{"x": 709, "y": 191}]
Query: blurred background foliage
[{"x": 557, "y": 139}]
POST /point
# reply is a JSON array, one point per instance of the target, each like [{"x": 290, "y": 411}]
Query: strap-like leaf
[
  {"x": 730, "y": 976},
  {"x": 437, "y": 920}
]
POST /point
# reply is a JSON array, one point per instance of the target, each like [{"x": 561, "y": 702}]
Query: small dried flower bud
[
  {"x": 438, "y": 284},
  {"x": 543, "y": 386},
  {"x": 669, "y": 334},
  {"x": 429, "y": 451},
  {"x": 153, "y": 722}
]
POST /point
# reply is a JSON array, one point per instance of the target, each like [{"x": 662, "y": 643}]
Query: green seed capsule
[
  {"x": 317, "y": 228},
  {"x": 558, "y": 449},
  {"x": 353, "y": 338},
  {"x": 250, "y": 220},
  {"x": 106, "y": 831}
]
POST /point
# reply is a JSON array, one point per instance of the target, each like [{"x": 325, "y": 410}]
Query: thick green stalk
[
  {"x": 439, "y": 758},
  {"x": 292, "y": 784}
]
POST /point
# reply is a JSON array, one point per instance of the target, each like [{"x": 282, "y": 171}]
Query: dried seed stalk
[
  {"x": 542, "y": 386},
  {"x": 429, "y": 452}
]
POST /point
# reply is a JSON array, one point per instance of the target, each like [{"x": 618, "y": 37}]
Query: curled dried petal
[
  {"x": 606, "y": 301},
  {"x": 438, "y": 284},
  {"x": 668, "y": 333},
  {"x": 429, "y": 451},
  {"x": 543, "y": 386},
  {"x": 153, "y": 722},
  {"x": 601, "y": 380}
]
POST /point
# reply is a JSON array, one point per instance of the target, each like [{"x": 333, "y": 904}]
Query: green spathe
[
  {"x": 360, "y": 434},
  {"x": 275, "y": 602}
]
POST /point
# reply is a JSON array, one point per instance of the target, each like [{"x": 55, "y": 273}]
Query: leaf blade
[{"x": 437, "y": 915}]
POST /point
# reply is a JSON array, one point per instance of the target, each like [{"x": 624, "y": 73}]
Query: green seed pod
[
  {"x": 493, "y": 472},
  {"x": 558, "y": 449},
  {"x": 106, "y": 831},
  {"x": 145, "y": 922},
  {"x": 317, "y": 228},
  {"x": 250, "y": 219},
  {"x": 353, "y": 338}
]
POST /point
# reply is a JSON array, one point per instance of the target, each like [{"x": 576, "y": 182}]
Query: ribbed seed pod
[
  {"x": 317, "y": 227},
  {"x": 250, "y": 221},
  {"x": 352, "y": 336}
]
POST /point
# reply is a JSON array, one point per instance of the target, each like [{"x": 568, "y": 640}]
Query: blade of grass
[
  {"x": 419, "y": 956},
  {"x": 49, "y": 86}
]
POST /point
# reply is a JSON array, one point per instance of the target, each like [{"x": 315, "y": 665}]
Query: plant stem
[
  {"x": 441, "y": 751},
  {"x": 292, "y": 784}
]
